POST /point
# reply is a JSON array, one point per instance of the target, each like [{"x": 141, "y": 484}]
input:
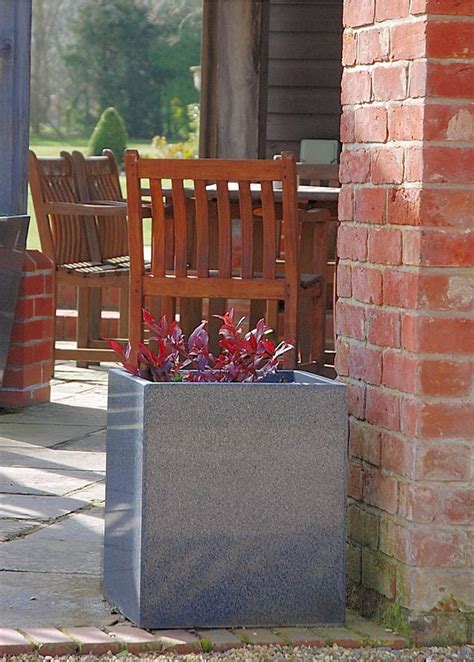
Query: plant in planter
[{"x": 225, "y": 488}]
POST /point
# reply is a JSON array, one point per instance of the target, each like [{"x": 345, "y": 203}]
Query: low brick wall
[{"x": 30, "y": 358}]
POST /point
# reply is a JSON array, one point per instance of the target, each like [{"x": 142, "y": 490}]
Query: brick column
[
  {"x": 30, "y": 359},
  {"x": 404, "y": 316}
]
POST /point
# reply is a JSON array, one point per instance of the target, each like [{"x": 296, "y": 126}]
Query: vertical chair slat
[
  {"x": 225, "y": 230},
  {"x": 202, "y": 229},
  {"x": 180, "y": 227},
  {"x": 135, "y": 242},
  {"x": 269, "y": 231},
  {"x": 158, "y": 229},
  {"x": 246, "y": 219}
]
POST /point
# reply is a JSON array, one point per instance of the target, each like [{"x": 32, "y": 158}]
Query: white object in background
[{"x": 319, "y": 151}]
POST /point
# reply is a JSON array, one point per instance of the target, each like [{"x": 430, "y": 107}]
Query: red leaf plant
[{"x": 248, "y": 357}]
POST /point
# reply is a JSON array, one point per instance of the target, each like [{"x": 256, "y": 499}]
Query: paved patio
[{"x": 52, "y": 459}]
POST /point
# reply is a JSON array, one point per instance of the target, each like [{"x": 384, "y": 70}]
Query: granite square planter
[{"x": 225, "y": 503}]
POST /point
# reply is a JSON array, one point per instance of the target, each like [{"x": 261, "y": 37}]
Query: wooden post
[
  {"x": 15, "y": 39},
  {"x": 234, "y": 78}
]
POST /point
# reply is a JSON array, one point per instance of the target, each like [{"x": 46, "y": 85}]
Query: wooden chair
[
  {"x": 87, "y": 253},
  {"x": 259, "y": 276},
  {"x": 98, "y": 181}
]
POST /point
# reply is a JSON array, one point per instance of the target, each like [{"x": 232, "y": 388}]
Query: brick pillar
[
  {"x": 404, "y": 316},
  {"x": 30, "y": 359}
]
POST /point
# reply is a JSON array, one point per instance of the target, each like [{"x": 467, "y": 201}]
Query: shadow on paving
[{"x": 52, "y": 470}]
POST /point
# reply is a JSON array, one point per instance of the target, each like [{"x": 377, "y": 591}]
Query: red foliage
[{"x": 243, "y": 357}]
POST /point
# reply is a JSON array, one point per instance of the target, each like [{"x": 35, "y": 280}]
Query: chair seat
[{"x": 112, "y": 265}]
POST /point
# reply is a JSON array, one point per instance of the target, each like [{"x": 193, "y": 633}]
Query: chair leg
[
  {"x": 82, "y": 328},
  {"x": 123, "y": 312}
]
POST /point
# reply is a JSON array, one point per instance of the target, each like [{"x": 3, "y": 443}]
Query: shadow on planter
[{"x": 225, "y": 503}]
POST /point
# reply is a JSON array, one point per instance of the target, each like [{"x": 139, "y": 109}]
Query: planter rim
[{"x": 310, "y": 380}]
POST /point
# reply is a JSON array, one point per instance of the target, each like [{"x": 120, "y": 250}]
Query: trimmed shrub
[{"x": 110, "y": 132}]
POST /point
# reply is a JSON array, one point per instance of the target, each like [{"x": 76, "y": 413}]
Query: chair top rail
[{"x": 212, "y": 169}]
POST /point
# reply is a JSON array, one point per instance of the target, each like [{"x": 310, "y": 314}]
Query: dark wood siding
[{"x": 304, "y": 72}]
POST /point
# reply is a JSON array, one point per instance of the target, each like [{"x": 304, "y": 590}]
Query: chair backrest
[
  {"x": 63, "y": 237},
  {"x": 318, "y": 174},
  {"x": 98, "y": 180},
  {"x": 233, "y": 182},
  {"x": 319, "y": 151}
]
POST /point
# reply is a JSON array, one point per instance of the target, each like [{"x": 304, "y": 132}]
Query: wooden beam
[
  {"x": 234, "y": 78},
  {"x": 15, "y": 39}
]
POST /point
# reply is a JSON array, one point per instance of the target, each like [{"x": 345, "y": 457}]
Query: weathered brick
[
  {"x": 346, "y": 204},
  {"x": 403, "y": 206},
  {"x": 389, "y": 83},
  {"x": 445, "y": 378},
  {"x": 387, "y": 9},
  {"x": 344, "y": 282},
  {"x": 356, "y": 87},
  {"x": 354, "y": 166},
  {"x": 446, "y": 7},
  {"x": 445, "y": 292},
  {"x": 385, "y": 246},
  {"x": 365, "y": 363},
  {"x": 400, "y": 288},
  {"x": 441, "y": 461},
  {"x": 379, "y": 572},
  {"x": 352, "y": 242},
  {"x": 350, "y": 320},
  {"x": 405, "y": 121},
  {"x": 347, "y": 127},
  {"x": 449, "y": 122},
  {"x": 400, "y": 371},
  {"x": 349, "y": 48},
  {"x": 408, "y": 40},
  {"x": 387, "y": 165},
  {"x": 398, "y": 454},
  {"x": 453, "y": 79},
  {"x": 436, "y": 334},
  {"x": 367, "y": 285},
  {"x": 370, "y": 205},
  {"x": 51, "y": 641},
  {"x": 365, "y": 442},
  {"x": 383, "y": 408},
  {"x": 370, "y": 124},
  {"x": 354, "y": 480},
  {"x": 449, "y": 40},
  {"x": 380, "y": 490},
  {"x": 341, "y": 360},
  {"x": 362, "y": 526},
  {"x": 383, "y": 327},
  {"x": 356, "y": 397},
  {"x": 446, "y": 419},
  {"x": 356, "y": 14},
  {"x": 373, "y": 45},
  {"x": 428, "y": 589}
]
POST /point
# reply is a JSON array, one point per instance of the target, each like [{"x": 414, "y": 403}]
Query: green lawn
[{"x": 52, "y": 147}]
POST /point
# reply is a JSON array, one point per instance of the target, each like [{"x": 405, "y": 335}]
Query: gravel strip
[{"x": 280, "y": 654}]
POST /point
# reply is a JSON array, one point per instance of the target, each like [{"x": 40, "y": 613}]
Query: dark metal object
[{"x": 13, "y": 231}]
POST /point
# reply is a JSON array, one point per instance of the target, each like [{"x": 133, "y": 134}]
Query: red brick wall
[
  {"x": 404, "y": 316},
  {"x": 30, "y": 359}
]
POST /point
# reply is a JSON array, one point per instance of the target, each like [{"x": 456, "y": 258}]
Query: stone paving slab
[
  {"x": 94, "y": 442},
  {"x": 57, "y": 414},
  {"x": 31, "y": 599},
  {"x": 11, "y": 528},
  {"x": 50, "y": 556},
  {"x": 41, "y": 435},
  {"x": 19, "y": 480},
  {"x": 94, "y": 492},
  {"x": 47, "y": 458},
  {"x": 22, "y": 506},
  {"x": 87, "y": 526}
]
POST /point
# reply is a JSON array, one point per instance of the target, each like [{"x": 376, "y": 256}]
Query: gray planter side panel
[
  {"x": 123, "y": 499},
  {"x": 244, "y": 504}
]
